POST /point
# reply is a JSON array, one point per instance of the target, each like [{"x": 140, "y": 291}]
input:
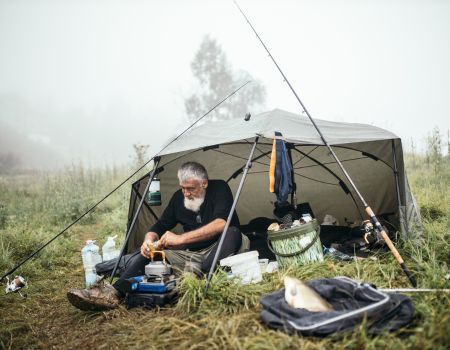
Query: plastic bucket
[
  {"x": 296, "y": 246},
  {"x": 245, "y": 266}
]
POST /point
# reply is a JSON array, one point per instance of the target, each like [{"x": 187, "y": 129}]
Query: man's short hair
[{"x": 192, "y": 170}]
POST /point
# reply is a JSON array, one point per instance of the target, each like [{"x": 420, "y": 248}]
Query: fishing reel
[
  {"x": 16, "y": 285},
  {"x": 372, "y": 235}
]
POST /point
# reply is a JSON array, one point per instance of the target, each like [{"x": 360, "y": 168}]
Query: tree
[
  {"x": 216, "y": 79},
  {"x": 140, "y": 154},
  {"x": 434, "y": 150},
  {"x": 9, "y": 162}
]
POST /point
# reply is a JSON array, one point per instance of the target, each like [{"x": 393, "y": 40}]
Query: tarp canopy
[{"x": 223, "y": 147}]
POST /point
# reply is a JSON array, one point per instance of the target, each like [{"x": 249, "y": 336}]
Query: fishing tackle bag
[{"x": 352, "y": 302}]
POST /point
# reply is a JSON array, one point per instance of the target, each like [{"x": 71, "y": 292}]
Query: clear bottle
[
  {"x": 91, "y": 257},
  {"x": 109, "y": 250}
]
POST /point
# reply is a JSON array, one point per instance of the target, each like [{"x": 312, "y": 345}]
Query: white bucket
[{"x": 245, "y": 266}]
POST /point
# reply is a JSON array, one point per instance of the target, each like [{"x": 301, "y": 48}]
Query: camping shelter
[{"x": 373, "y": 157}]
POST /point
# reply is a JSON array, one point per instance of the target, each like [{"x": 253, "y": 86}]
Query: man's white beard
[{"x": 194, "y": 204}]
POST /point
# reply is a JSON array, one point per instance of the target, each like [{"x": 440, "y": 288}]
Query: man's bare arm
[
  {"x": 204, "y": 233},
  {"x": 150, "y": 237}
]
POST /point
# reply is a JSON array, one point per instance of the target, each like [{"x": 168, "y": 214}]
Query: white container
[
  {"x": 245, "y": 266},
  {"x": 109, "y": 250},
  {"x": 91, "y": 257},
  {"x": 90, "y": 277},
  {"x": 272, "y": 267},
  {"x": 263, "y": 264}
]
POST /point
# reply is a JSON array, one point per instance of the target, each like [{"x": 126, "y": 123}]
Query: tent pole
[
  {"x": 248, "y": 165},
  {"x": 134, "y": 191},
  {"x": 127, "y": 237},
  {"x": 368, "y": 210},
  {"x": 401, "y": 218}
]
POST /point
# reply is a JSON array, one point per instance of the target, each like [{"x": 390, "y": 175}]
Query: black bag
[
  {"x": 150, "y": 300},
  {"x": 352, "y": 302},
  {"x": 105, "y": 268}
]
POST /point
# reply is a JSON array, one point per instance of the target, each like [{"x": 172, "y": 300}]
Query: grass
[{"x": 34, "y": 207}]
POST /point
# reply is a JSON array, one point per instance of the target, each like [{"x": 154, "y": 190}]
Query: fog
[{"x": 85, "y": 80}]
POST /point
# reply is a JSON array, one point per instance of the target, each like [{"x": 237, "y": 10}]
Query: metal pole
[
  {"x": 127, "y": 237},
  {"x": 368, "y": 210},
  {"x": 248, "y": 165}
]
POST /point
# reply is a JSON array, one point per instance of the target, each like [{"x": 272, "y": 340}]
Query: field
[{"x": 36, "y": 206}]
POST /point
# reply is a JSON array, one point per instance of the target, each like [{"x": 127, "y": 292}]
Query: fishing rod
[
  {"x": 367, "y": 208},
  {"x": 121, "y": 184}
]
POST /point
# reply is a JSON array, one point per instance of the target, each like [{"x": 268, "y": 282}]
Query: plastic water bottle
[
  {"x": 91, "y": 257},
  {"x": 109, "y": 250}
]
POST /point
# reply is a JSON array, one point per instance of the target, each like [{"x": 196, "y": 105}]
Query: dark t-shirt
[{"x": 217, "y": 205}]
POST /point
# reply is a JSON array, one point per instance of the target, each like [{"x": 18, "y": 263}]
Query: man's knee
[{"x": 233, "y": 232}]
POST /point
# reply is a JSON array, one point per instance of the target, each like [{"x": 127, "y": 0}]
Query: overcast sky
[{"x": 93, "y": 77}]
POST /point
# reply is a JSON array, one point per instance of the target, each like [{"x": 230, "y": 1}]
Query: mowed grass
[{"x": 34, "y": 207}]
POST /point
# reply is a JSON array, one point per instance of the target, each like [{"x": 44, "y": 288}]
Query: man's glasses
[{"x": 189, "y": 189}]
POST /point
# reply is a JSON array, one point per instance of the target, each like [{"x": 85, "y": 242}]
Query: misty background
[{"x": 86, "y": 80}]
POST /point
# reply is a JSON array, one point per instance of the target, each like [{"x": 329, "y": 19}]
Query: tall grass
[{"x": 34, "y": 207}]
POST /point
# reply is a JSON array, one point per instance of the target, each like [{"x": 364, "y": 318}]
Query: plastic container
[
  {"x": 244, "y": 266},
  {"x": 91, "y": 257},
  {"x": 90, "y": 277},
  {"x": 296, "y": 246},
  {"x": 272, "y": 267},
  {"x": 109, "y": 249},
  {"x": 263, "y": 264}
]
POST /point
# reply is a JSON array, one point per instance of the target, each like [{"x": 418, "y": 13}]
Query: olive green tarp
[{"x": 223, "y": 147}]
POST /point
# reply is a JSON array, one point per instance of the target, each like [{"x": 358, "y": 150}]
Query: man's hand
[
  {"x": 171, "y": 240},
  {"x": 150, "y": 237}
]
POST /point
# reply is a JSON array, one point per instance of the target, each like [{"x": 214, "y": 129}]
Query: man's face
[{"x": 193, "y": 188}]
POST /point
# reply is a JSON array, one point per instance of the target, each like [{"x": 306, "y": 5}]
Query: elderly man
[{"x": 201, "y": 206}]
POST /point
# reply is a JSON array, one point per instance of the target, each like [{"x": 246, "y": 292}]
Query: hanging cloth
[{"x": 280, "y": 180}]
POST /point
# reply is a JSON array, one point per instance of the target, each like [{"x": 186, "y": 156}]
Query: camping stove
[{"x": 158, "y": 276}]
